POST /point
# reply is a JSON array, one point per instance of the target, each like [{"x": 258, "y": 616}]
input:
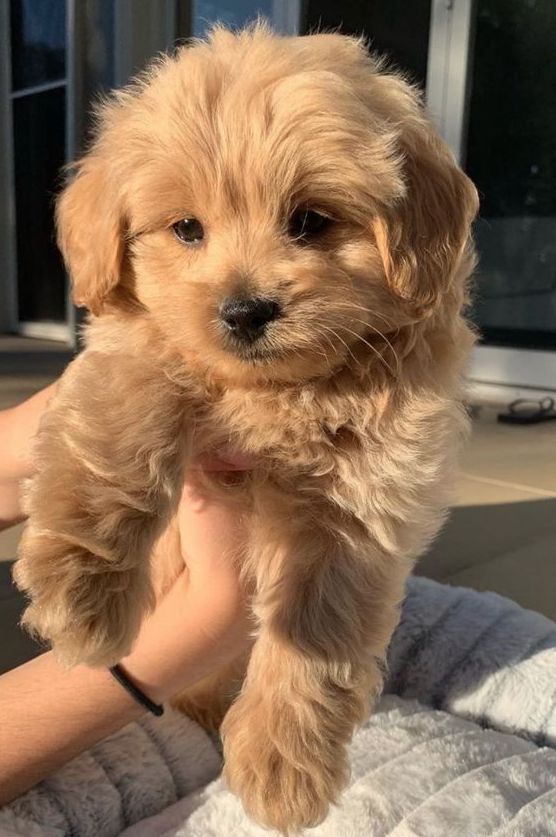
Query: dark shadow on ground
[
  {"x": 475, "y": 533},
  {"x": 15, "y": 646}
]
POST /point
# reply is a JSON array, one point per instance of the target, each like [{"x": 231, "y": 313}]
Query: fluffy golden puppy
[{"x": 274, "y": 245}]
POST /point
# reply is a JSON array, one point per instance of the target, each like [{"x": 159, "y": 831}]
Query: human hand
[
  {"x": 203, "y": 621},
  {"x": 18, "y": 427}
]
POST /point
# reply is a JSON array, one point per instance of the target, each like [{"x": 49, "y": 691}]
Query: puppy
[{"x": 274, "y": 246}]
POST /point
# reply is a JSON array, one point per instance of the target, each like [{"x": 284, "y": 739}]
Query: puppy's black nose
[{"x": 247, "y": 317}]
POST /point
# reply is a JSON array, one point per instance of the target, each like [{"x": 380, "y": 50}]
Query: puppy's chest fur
[
  {"x": 317, "y": 446},
  {"x": 295, "y": 427},
  {"x": 385, "y": 462}
]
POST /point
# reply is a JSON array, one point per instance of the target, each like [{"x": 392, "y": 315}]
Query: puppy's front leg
[
  {"x": 327, "y": 606},
  {"x": 109, "y": 456}
]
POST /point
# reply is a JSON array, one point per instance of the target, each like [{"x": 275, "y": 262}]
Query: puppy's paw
[
  {"x": 287, "y": 776},
  {"x": 89, "y": 612}
]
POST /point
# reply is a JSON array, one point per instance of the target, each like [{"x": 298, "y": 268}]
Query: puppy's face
[{"x": 274, "y": 205}]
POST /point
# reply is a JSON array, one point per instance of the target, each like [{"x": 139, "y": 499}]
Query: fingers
[
  {"x": 18, "y": 427},
  {"x": 213, "y": 532}
]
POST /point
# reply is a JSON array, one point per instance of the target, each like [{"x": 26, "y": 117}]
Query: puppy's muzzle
[{"x": 247, "y": 318}]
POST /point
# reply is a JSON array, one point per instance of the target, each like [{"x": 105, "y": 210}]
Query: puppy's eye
[
  {"x": 305, "y": 224},
  {"x": 189, "y": 230}
]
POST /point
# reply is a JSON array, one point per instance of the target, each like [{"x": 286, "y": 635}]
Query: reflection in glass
[
  {"x": 39, "y": 153},
  {"x": 397, "y": 28},
  {"x": 511, "y": 155},
  {"x": 233, "y": 13},
  {"x": 38, "y": 41}
]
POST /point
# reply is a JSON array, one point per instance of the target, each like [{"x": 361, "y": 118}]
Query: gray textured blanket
[{"x": 480, "y": 668}]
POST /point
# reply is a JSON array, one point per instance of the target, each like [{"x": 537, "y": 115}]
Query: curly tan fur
[{"x": 352, "y": 407}]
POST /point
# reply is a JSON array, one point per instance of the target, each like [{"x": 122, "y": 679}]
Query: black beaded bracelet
[{"x": 119, "y": 674}]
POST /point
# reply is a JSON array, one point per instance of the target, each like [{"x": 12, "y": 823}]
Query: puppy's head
[{"x": 273, "y": 204}]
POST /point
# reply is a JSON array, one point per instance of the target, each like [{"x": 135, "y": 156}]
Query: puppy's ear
[
  {"x": 90, "y": 223},
  {"x": 421, "y": 239}
]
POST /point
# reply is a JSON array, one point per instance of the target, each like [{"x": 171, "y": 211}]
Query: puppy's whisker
[
  {"x": 384, "y": 337},
  {"x": 352, "y": 306},
  {"x": 310, "y": 341},
  {"x": 379, "y": 355},
  {"x": 377, "y": 352},
  {"x": 331, "y": 344},
  {"x": 295, "y": 352},
  {"x": 343, "y": 342}
]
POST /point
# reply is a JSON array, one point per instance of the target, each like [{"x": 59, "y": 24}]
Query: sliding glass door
[
  {"x": 511, "y": 154},
  {"x": 489, "y": 73},
  {"x": 38, "y": 114}
]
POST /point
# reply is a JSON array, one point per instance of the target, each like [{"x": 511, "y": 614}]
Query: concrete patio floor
[{"x": 501, "y": 535}]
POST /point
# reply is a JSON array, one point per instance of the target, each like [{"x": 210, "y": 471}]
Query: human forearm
[
  {"x": 51, "y": 714},
  {"x": 190, "y": 635}
]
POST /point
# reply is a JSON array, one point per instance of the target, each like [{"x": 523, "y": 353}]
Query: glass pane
[
  {"x": 395, "y": 27},
  {"x": 38, "y": 41},
  {"x": 233, "y": 13},
  {"x": 511, "y": 155},
  {"x": 39, "y": 153}
]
